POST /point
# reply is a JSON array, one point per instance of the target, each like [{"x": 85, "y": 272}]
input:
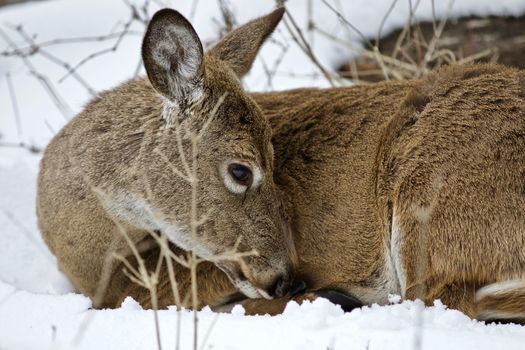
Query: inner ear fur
[{"x": 173, "y": 56}]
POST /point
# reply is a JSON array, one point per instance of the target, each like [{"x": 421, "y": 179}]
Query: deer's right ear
[{"x": 172, "y": 54}]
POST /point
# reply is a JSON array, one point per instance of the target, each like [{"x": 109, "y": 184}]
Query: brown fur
[
  {"x": 444, "y": 155},
  {"x": 503, "y": 300},
  {"x": 110, "y": 170},
  {"x": 415, "y": 188}
]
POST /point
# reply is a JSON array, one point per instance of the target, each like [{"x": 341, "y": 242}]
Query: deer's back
[{"x": 447, "y": 149}]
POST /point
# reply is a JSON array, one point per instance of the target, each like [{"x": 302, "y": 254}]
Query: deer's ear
[
  {"x": 172, "y": 55},
  {"x": 239, "y": 47}
]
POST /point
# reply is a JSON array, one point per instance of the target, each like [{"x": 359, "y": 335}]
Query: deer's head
[{"x": 211, "y": 175}]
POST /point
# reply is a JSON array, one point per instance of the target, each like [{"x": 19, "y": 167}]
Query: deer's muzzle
[{"x": 265, "y": 284}]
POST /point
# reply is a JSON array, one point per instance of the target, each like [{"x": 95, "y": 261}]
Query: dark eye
[{"x": 241, "y": 174}]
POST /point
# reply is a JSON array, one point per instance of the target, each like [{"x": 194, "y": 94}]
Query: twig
[
  {"x": 64, "y": 109},
  {"x": 310, "y": 22},
  {"x": 49, "y": 127},
  {"x": 194, "y": 4},
  {"x": 345, "y": 21},
  {"x": 476, "y": 56},
  {"x": 142, "y": 277},
  {"x": 227, "y": 16},
  {"x": 14, "y": 103},
  {"x": 437, "y": 34},
  {"x": 270, "y": 72},
  {"x": 26, "y": 233},
  {"x": 113, "y": 48},
  {"x": 208, "y": 332},
  {"x": 371, "y": 54},
  {"x": 298, "y": 37},
  {"x": 54, "y": 59},
  {"x": 30, "y": 147},
  {"x": 172, "y": 167},
  {"x": 383, "y": 21},
  {"x": 406, "y": 29},
  {"x": 33, "y": 49}
]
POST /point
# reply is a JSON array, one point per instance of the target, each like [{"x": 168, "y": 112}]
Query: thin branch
[
  {"x": 14, "y": 104},
  {"x": 172, "y": 166},
  {"x": 298, "y": 37},
  {"x": 208, "y": 332},
  {"x": 27, "y": 146},
  {"x": 437, "y": 34},
  {"x": 383, "y": 21},
  {"x": 406, "y": 29},
  {"x": 36, "y": 46},
  {"x": 194, "y": 4},
  {"x": 345, "y": 21},
  {"x": 27, "y": 233},
  {"x": 64, "y": 109},
  {"x": 113, "y": 48},
  {"x": 54, "y": 59}
]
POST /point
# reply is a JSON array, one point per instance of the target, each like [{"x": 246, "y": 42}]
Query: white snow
[
  {"x": 38, "y": 309},
  {"x": 38, "y": 321}
]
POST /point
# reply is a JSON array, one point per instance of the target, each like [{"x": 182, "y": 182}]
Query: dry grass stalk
[
  {"x": 298, "y": 37},
  {"x": 412, "y": 57}
]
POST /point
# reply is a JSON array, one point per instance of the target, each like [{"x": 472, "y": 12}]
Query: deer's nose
[{"x": 280, "y": 287}]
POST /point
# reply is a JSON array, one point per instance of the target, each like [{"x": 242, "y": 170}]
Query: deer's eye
[{"x": 241, "y": 174}]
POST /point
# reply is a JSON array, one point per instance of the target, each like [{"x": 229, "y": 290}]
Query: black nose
[{"x": 280, "y": 287}]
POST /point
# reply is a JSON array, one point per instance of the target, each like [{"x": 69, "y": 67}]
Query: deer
[{"x": 414, "y": 188}]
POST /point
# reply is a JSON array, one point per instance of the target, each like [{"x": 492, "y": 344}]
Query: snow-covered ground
[{"x": 38, "y": 309}]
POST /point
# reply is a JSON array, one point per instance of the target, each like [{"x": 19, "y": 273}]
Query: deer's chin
[
  {"x": 248, "y": 289},
  {"x": 241, "y": 283}
]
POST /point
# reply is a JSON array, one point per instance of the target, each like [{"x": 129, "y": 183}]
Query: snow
[
  {"x": 38, "y": 307},
  {"x": 65, "y": 322}
]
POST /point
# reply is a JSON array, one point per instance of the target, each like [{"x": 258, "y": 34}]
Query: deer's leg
[
  {"x": 213, "y": 285},
  {"x": 458, "y": 296},
  {"x": 274, "y": 306},
  {"x": 503, "y": 300},
  {"x": 419, "y": 259}
]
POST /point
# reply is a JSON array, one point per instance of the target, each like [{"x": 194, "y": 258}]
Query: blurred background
[{"x": 56, "y": 54}]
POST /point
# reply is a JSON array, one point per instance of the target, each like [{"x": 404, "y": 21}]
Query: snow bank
[{"x": 65, "y": 322}]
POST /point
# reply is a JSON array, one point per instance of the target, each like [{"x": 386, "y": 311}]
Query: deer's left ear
[
  {"x": 173, "y": 56},
  {"x": 239, "y": 48}
]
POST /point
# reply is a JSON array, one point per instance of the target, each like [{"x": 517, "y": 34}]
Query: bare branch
[
  {"x": 44, "y": 81},
  {"x": 113, "y": 48},
  {"x": 14, "y": 103},
  {"x": 54, "y": 59},
  {"x": 299, "y": 39},
  {"x": 345, "y": 21}
]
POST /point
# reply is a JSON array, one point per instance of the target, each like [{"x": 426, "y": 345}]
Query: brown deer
[
  {"x": 111, "y": 169},
  {"x": 414, "y": 188}
]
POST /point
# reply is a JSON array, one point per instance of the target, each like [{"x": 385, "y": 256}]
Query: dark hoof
[
  {"x": 346, "y": 301},
  {"x": 297, "y": 288}
]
